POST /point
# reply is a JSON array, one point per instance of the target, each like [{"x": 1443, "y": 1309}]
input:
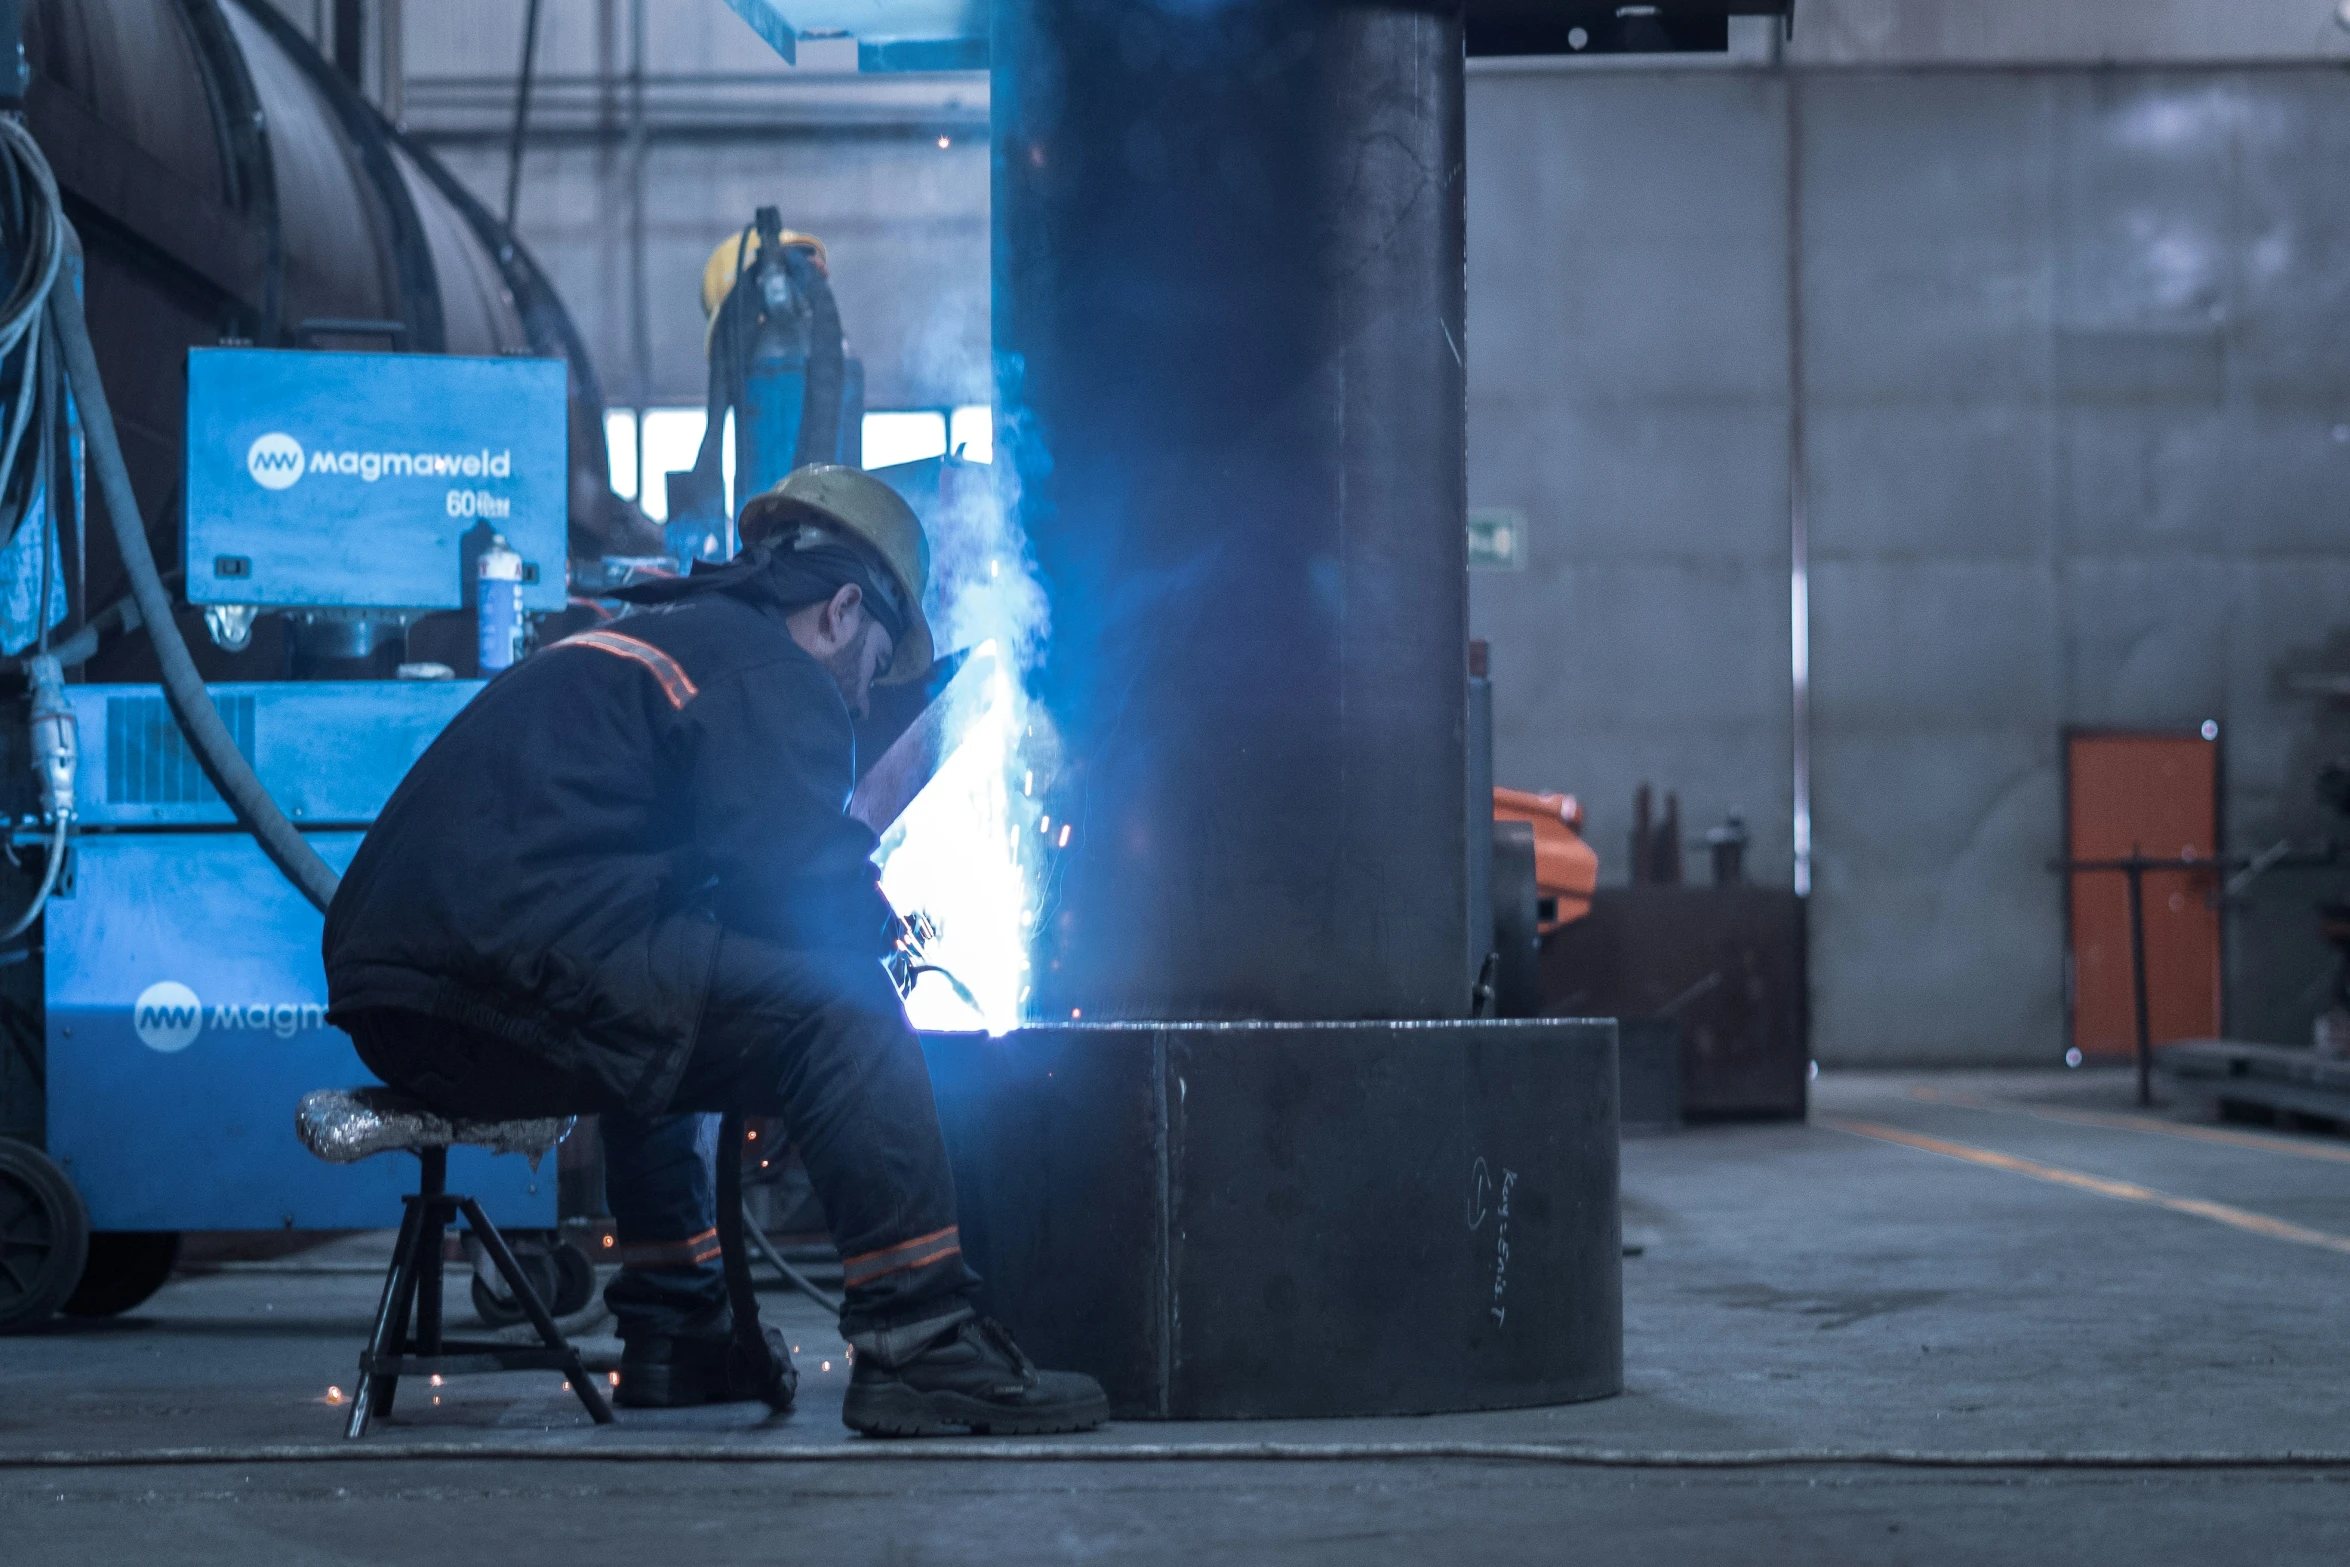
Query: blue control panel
[
  {"x": 186, "y": 1019},
  {"x": 371, "y": 481},
  {"x": 328, "y": 751}
]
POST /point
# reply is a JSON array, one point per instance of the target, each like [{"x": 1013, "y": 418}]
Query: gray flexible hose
[
  {"x": 1078, "y": 1451},
  {"x": 183, "y": 688},
  {"x": 23, "y": 922}
]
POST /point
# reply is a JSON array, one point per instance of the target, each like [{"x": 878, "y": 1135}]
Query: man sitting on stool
[{"x": 622, "y": 881}]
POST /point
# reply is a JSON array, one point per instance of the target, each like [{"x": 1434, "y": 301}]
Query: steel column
[{"x": 1228, "y": 284}]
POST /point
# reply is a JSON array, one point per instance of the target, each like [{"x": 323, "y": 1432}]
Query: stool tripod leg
[
  {"x": 502, "y": 1257},
  {"x": 438, "y": 1212},
  {"x": 391, "y": 1322},
  {"x": 405, "y": 1308}
]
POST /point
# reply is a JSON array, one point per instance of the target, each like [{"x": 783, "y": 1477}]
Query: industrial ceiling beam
[{"x": 933, "y": 35}]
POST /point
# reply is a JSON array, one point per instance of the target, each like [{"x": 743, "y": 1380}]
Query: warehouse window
[
  {"x": 971, "y": 433},
  {"x": 673, "y": 436},
  {"x": 904, "y": 435}
]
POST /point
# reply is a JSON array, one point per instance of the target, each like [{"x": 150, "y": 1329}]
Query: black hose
[
  {"x": 82, "y": 646},
  {"x": 183, "y": 688},
  {"x": 751, "y": 1355}
]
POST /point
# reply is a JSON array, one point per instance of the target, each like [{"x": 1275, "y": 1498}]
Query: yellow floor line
[
  {"x": 2135, "y": 1123},
  {"x": 2194, "y": 1207}
]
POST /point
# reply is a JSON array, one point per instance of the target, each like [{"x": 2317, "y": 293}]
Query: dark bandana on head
[{"x": 790, "y": 571}]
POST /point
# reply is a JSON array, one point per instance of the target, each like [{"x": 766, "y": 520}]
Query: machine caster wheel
[
  {"x": 44, "y": 1237},
  {"x": 494, "y": 1312},
  {"x": 575, "y": 1280},
  {"x": 125, "y": 1267}
]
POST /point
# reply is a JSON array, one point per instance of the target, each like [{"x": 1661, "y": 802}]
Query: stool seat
[{"x": 346, "y": 1125}]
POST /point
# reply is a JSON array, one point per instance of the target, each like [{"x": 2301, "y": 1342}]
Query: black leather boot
[
  {"x": 975, "y": 1378},
  {"x": 661, "y": 1371}
]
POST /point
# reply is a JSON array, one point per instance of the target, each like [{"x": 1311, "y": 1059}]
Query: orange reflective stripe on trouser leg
[
  {"x": 687, "y": 1253},
  {"x": 676, "y": 685},
  {"x": 920, "y": 1252}
]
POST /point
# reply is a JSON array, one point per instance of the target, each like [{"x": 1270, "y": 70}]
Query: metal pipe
[
  {"x": 349, "y": 34},
  {"x": 1228, "y": 330},
  {"x": 392, "y": 61},
  {"x": 640, "y": 329},
  {"x": 1798, "y": 502},
  {"x": 2135, "y": 873}
]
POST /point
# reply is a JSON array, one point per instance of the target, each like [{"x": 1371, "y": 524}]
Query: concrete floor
[{"x": 2050, "y": 1274}]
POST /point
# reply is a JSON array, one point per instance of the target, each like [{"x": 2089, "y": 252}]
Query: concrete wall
[
  {"x": 2073, "y": 351},
  {"x": 2050, "y": 32},
  {"x": 1628, "y": 383}
]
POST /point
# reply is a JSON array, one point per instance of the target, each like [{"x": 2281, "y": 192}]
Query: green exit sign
[{"x": 1497, "y": 539}]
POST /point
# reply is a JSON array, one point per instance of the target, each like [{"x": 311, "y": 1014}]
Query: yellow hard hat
[
  {"x": 852, "y": 501},
  {"x": 718, "y": 272}
]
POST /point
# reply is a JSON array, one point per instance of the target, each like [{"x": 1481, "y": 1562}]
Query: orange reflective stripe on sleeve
[
  {"x": 675, "y": 684},
  {"x": 920, "y": 1252}
]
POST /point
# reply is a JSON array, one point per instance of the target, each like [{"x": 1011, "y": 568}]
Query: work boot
[
  {"x": 974, "y": 1377},
  {"x": 675, "y": 1371}
]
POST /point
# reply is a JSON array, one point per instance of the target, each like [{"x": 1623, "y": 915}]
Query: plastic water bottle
[{"x": 499, "y": 605}]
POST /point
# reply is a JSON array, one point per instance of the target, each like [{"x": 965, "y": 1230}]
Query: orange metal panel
[
  {"x": 1566, "y": 868},
  {"x": 2156, "y": 795}
]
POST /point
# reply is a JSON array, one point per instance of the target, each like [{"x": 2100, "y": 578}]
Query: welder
[{"x": 622, "y": 882}]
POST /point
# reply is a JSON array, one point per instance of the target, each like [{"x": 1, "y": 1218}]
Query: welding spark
[
  {"x": 954, "y": 857},
  {"x": 960, "y": 853}
]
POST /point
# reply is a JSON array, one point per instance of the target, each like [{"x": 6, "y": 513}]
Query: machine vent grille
[{"x": 147, "y": 758}]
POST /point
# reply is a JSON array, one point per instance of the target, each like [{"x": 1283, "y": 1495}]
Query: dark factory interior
[{"x": 1151, "y": 780}]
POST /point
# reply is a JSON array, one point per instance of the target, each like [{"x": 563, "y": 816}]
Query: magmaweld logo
[
  {"x": 169, "y": 1016},
  {"x": 275, "y": 461}
]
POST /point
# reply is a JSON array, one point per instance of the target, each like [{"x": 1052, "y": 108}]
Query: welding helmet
[{"x": 851, "y": 501}]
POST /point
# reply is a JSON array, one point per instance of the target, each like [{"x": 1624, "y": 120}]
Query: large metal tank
[{"x": 230, "y": 185}]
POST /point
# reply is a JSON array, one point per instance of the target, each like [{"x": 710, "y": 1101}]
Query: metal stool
[{"x": 345, "y": 1125}]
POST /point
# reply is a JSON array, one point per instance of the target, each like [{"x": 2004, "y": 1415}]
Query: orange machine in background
[{"x": 1566, "y": 869}]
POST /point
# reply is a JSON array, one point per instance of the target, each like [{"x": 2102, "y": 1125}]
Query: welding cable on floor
[
  {"x": 183, "y": 688},
  {"x": 980, "y": 1450}
]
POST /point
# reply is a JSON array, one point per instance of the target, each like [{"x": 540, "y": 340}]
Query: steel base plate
[{"x": 1267, "y": 1220}]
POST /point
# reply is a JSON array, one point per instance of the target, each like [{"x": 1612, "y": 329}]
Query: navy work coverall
[{"x": 621, "y": 882}]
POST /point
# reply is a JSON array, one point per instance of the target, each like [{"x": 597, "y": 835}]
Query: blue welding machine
[
  {"x": 185, "y": 992},
  {"x": 366, "y": 483}
]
